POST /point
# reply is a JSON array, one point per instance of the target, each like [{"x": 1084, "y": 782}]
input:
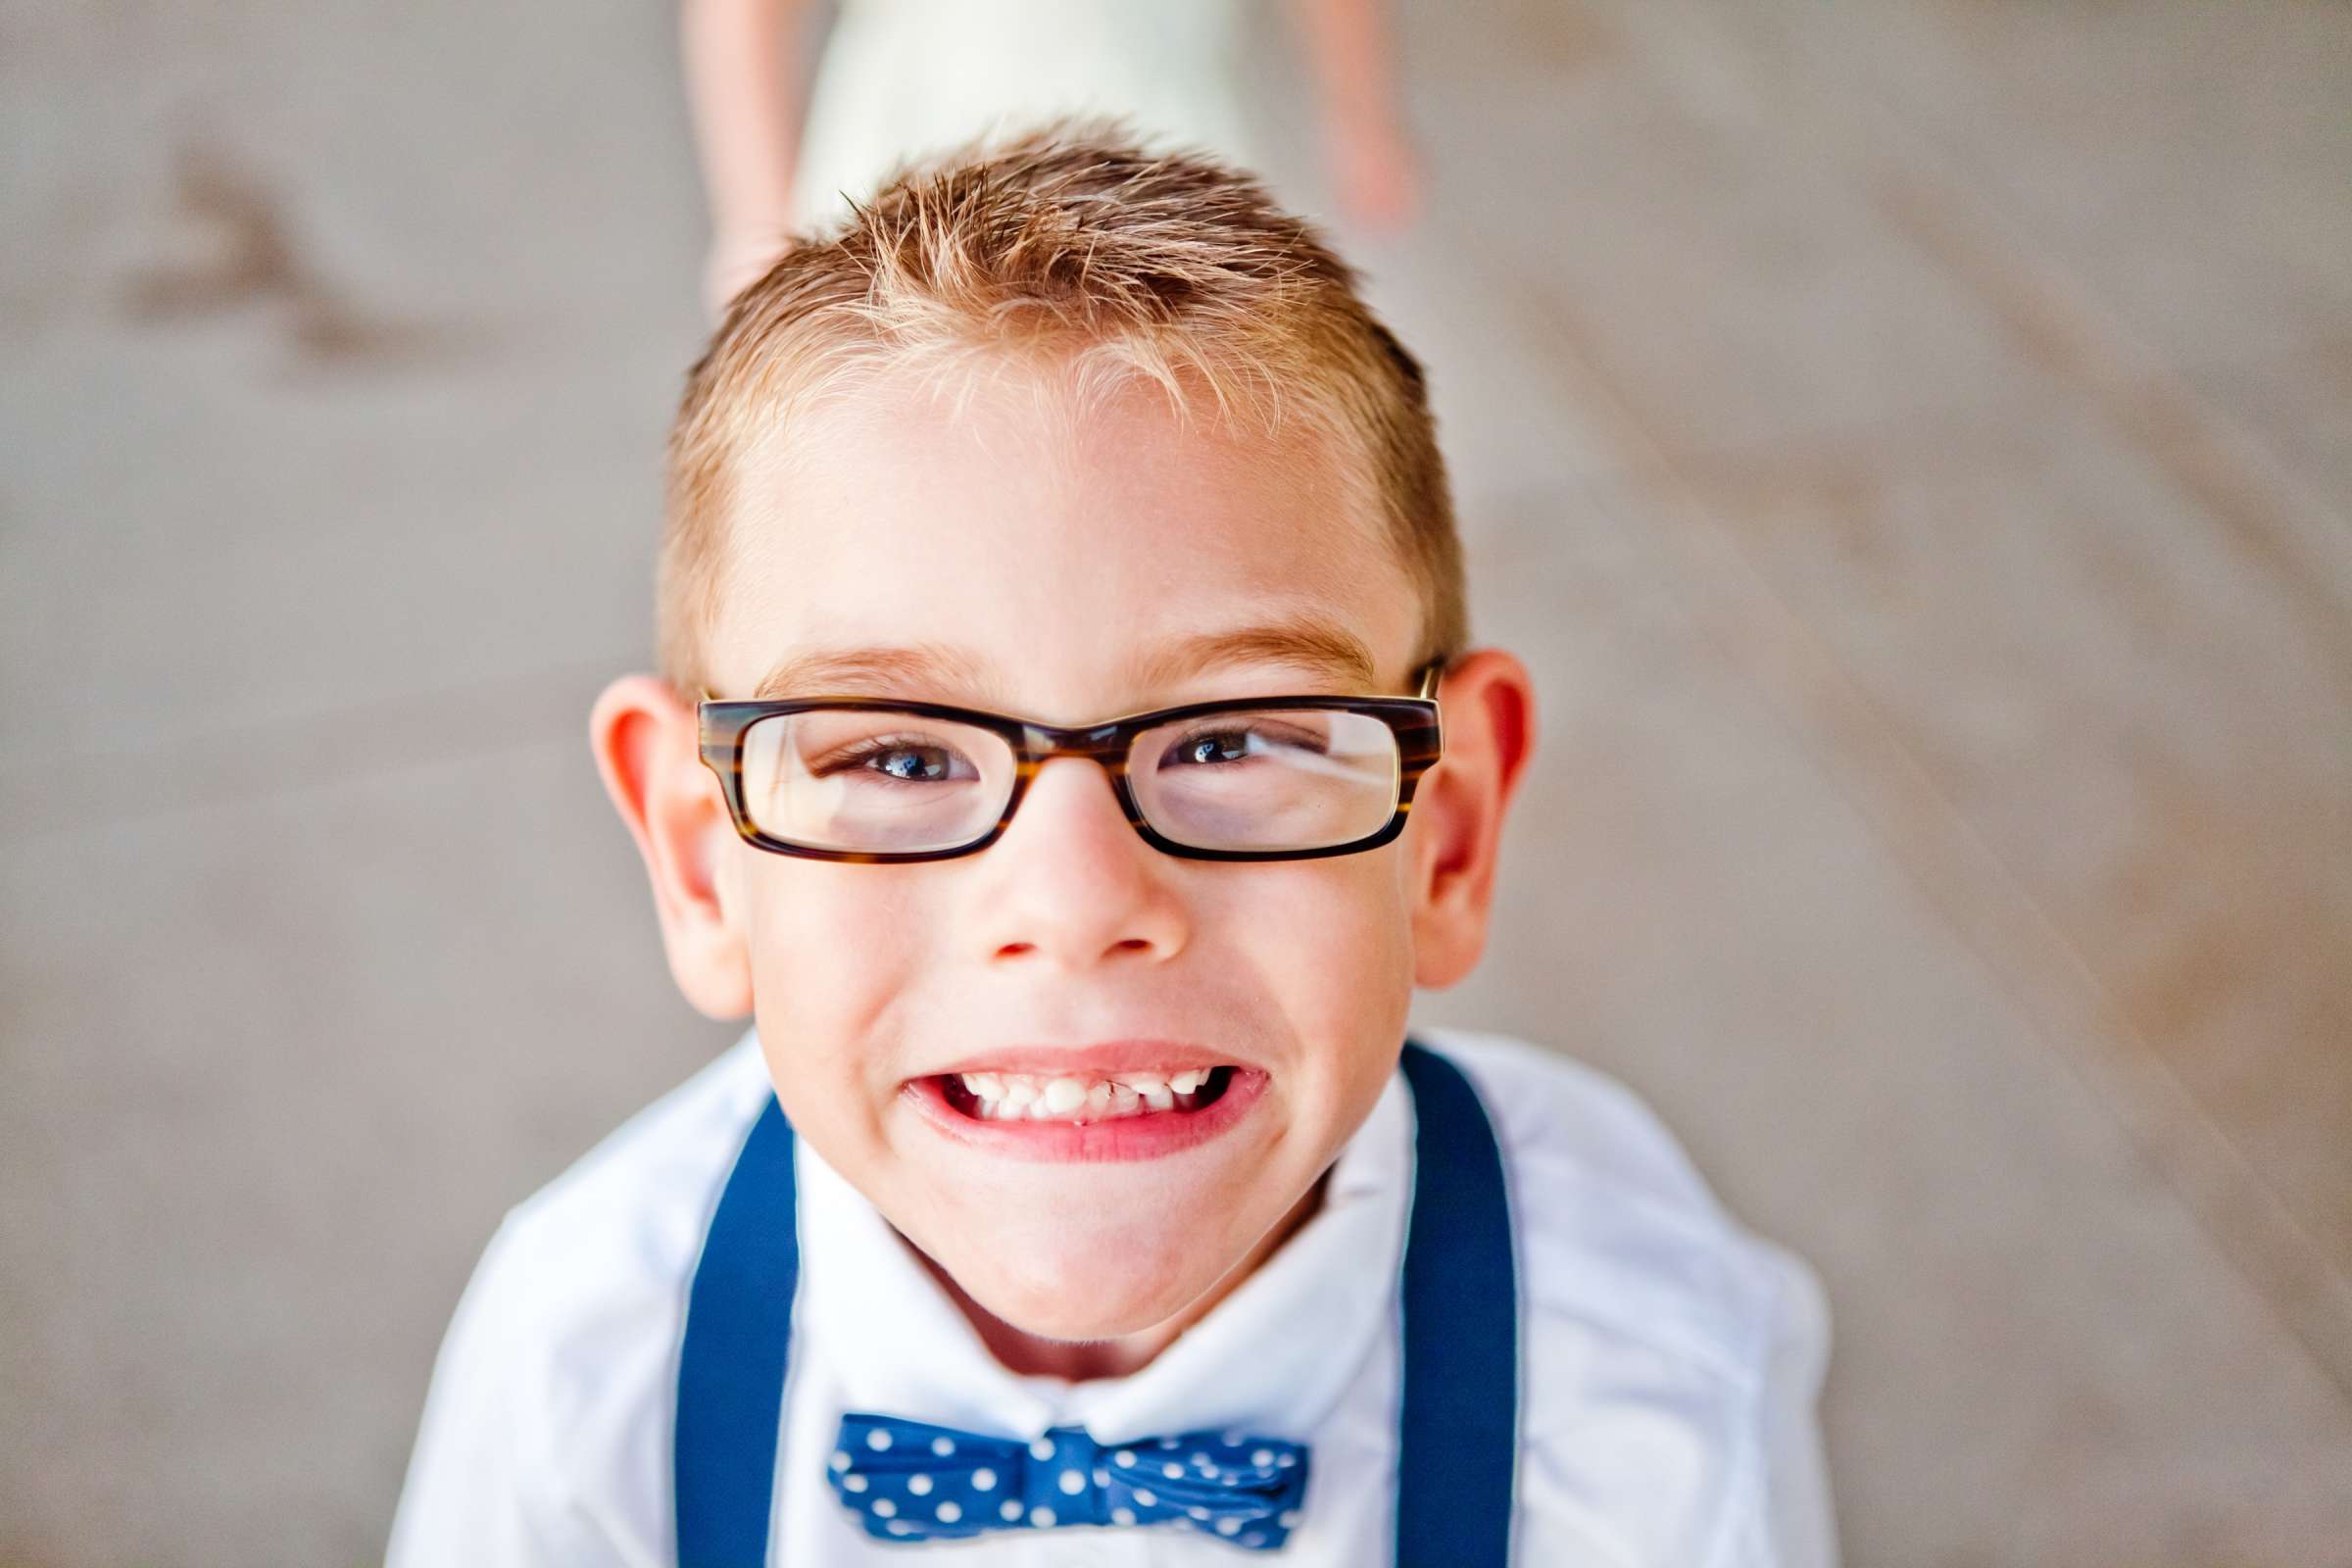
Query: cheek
[
  {"x": 1331, "y": 942},
  {"x": 832, "y": 948},
  {"x": 1351, "y": 908}
]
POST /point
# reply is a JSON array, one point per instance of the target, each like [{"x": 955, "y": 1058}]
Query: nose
[{"x": 1071, "y": 885}]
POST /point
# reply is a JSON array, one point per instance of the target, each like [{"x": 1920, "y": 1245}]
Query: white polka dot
[
  {"x": 1197, "y": 1511},
  {"x": 1289, "y": 1518},
  {"x": 900, "y": 1527},
  {"x": 1041, "y": 1448},
  {"x": 841, "y": 1461},
  {"x": 984, "y": 1480},
  {"x": 1150, "y": 1500},
  {"x": 920, "y": 1486},
  {"x": 1174, "y": 1472},
  {"x": 877, "y": 1439},
  {"x": 884, "y": 1507},
  {"x": 1285, "y": 1461},
  {"x": 853, "y": 1482},
  {"x": 948, "y": 1513},
  {"x": 1011, "y": 1509},
  {"x": 1101, "y": 1477},
  {"x": 1071, "y": 1481},
  {"x": 943, "y": 1447},
  {"x": 1124, "y": 1458},
  {"x": 1262, "y": 1458},
  {"x": 1227, "y": 1527},
  {"x": 1122, "y": 1516},
  {"x": 1255, "y": 1538},
  {"x": 1041, "y": 1517},
  {"x": 1167, "y": 1443}
]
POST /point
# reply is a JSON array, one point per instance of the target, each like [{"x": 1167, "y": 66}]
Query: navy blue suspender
[
  {"x": 1459, "y": 1424},
  {"x": 731, "y": 1372},
  {"x": 1458, "y": 1431}
]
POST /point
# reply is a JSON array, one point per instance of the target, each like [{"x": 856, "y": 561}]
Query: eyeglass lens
[{"x": 877, "y": 782}]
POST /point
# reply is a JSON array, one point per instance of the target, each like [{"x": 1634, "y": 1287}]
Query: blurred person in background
[{"x": 901, "y": 78}]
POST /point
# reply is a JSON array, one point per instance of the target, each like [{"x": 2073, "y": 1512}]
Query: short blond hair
[{"x": 1070, "y": 241}]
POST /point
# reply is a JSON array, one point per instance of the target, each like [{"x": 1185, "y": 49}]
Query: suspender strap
[
  {"x": 731, "y": 1372},
  {"x": 1458, "y": 1436}
]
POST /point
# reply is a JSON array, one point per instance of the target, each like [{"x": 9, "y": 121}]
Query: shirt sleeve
[
  {"x": 483, "y": 1485},
  {"x": 1672, "y": 1360},
  {"x": 1797, "y": 1527}
]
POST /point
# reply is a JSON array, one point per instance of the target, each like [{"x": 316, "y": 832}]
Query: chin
[{"x": 1084, "y": 1298}]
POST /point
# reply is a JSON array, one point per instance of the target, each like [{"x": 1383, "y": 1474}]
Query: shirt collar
[{"x": 1272, "y": 1358}]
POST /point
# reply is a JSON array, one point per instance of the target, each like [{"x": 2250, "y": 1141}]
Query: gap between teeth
[{"x": 1023, "y": 1097}]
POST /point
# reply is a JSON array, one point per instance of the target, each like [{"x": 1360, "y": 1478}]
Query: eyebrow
[{"x": 1325, "y": 648}]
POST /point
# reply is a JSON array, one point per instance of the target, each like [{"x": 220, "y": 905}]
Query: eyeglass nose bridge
[{"x": 1109, "y": 745}]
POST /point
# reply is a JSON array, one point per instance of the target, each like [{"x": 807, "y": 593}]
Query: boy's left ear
[{"x": 1489, "y": 705}]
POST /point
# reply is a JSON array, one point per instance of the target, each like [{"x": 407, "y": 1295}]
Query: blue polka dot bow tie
[{"x": 905, "y": 1480}]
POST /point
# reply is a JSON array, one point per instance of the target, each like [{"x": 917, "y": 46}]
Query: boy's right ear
[{"x": 646, "y": 741}]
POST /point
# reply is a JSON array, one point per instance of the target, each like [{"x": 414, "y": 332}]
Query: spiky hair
[{"x": 1075, "y": 244}]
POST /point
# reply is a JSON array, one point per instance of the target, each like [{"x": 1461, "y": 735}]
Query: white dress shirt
[{"x": 1671, "y": 1362}]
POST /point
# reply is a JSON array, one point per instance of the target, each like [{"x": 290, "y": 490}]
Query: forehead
[{"x": 1057, "y": 555}]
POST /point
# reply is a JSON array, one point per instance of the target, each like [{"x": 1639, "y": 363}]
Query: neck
[{"x": 1079, "y": 1360}]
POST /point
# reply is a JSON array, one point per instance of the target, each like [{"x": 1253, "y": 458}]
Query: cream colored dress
[{"x": 902, "y": 78}]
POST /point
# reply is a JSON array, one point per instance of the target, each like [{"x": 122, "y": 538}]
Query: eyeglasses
[{"x": 1262, "y": 779}]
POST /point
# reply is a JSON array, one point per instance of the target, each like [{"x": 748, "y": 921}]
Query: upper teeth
[{"x": 1025, "y": 1096}]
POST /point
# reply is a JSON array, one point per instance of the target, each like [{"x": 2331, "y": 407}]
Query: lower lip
[{"x": 1153, "y": 1135}]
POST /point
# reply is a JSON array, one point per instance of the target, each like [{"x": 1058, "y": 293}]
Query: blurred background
[{"x": 1911, "y": 440}]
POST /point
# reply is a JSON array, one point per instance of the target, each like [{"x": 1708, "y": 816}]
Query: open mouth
[
  {"x": 1013, "y": 1097},
  {"x": 1101, "y": 1114}
]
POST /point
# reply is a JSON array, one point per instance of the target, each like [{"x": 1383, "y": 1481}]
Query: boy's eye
[
  {"x": 1235, "y": 743},
  {"x": 906, "y": 761},
  {"x": 1217, "y": 746}
]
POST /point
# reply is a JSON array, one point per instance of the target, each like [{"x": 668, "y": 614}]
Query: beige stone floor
[{"x": 1910, "y": 439}]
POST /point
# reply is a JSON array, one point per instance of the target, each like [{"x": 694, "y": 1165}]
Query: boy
[{"x": 1076, "y": 1197}]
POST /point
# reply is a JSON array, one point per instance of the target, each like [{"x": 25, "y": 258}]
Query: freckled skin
[{"x": 1051, "y": 545}]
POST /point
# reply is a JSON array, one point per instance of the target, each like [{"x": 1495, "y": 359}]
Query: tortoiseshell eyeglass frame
[{"x": 1413, "y": 720}]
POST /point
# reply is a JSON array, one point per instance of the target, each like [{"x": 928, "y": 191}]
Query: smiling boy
[{"x": 1069, "y": 753}]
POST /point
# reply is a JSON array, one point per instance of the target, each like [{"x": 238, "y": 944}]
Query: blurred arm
[
  {"x": 1372, "y": 159},
  {"x": 1347, "y": 41},
  {"x": 744, "y": 78}
]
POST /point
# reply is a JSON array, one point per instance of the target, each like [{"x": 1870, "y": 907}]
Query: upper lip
[{"x": 1106, "y": 1058}]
